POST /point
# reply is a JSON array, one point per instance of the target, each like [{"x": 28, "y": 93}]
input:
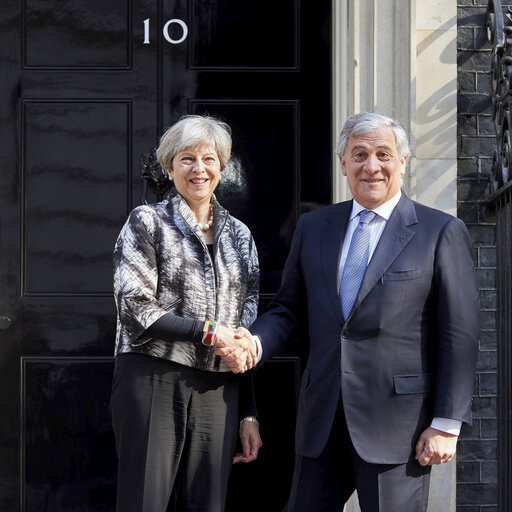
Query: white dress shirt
[{"x": 377, "y": 226}]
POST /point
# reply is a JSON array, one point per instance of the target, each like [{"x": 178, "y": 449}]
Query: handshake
[{"x": 237, "y": 348}]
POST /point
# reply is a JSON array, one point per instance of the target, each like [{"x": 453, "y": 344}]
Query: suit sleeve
[
  {"x": 279, "y": 325},
  {"x": 457, "y": 312},
  {"x": 246, "y": 399}
]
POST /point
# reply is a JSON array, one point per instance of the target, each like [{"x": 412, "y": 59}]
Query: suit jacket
[{"x": 406, "y": 353}]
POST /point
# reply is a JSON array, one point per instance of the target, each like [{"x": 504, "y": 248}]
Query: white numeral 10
[{"x": 165, "y": 31}]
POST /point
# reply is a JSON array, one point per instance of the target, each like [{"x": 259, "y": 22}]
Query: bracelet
[
  {"x": 210, "y": 336},
  {"x": 251, "y": 419}
]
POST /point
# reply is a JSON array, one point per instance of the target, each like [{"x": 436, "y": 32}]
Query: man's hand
[
  {"x": 435, "y": 447},
  {"x": 237, "y": 349},
  {"x": 251, "y": 442},
  {"x": 242, "y": 333}
]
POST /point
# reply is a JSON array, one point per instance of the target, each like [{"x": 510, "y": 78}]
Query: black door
[{"x": 86, "y": 89}]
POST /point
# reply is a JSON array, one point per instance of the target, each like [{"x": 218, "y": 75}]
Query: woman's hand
[
  {"x": 251, "y": 442},
  {"x": 235, "y": 359}
]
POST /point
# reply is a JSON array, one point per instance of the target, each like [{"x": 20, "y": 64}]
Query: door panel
[
  {"x": 87, "y": 89},
  {"x": 242, "y": 35},
  {"x": 75, "y": 34},
  {"x": 68, "y": 460},
  {"x": 75, "y": 161}
]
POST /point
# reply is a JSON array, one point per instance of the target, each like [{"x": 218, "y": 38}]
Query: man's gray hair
[
  {"x": 366, "y": 122},
  {"x": 191, "y": 131}
]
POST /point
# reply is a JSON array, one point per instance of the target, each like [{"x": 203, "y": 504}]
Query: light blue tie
[{"x": 356, "y": 263}]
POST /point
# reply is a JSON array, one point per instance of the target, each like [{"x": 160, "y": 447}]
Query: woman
[{"x": 185, "y": 274}]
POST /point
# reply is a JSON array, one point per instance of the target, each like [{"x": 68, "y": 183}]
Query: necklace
[{"x": 209, "y": 224}]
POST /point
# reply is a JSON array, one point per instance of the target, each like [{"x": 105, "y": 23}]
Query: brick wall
[{"x": 477, "y": 450}]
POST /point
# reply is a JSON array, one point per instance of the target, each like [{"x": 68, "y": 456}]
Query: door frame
[{"x": 424, "y": 37}]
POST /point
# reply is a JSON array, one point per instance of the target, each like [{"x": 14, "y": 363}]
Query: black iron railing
[
  {"x": 499, "y": 26},
  {"x": 499, "y": 30}
]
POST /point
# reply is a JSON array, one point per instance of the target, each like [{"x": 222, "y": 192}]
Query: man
[{"x": 392, "y": 324}]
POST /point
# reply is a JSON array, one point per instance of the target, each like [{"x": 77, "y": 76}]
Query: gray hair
[
  {"x": 191, "y": 131},
  {"x": 366, "y": 122}
]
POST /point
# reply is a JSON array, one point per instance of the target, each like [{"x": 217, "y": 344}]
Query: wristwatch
[
  {"x": 251, "y": 419},
  {"x": 210, "y": 336}
]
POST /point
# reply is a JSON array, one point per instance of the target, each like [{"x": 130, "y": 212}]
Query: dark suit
[{"x": 407, "y": 352}]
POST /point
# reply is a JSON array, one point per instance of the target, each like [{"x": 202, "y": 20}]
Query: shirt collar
[{"x": 384, "y": 210}]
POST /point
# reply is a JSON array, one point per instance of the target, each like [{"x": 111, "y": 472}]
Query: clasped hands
[{"x": 237, "y": 348}]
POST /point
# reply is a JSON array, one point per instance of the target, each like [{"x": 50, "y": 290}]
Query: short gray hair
[
  {"x": 366, "y": 122},
  {"x": 191, "y": 131}
]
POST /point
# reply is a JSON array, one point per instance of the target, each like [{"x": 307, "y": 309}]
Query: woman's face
[{"x": 196, "y": 173}]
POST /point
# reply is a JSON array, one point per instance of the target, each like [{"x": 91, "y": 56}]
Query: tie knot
[{"x": 366, "y": 216}]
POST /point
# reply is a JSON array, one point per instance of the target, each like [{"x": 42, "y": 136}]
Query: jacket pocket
[
  {"x": 412, "y": 384},
  {"x": 402, "y": 275}
]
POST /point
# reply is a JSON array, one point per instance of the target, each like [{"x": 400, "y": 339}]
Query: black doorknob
[{"x": 5, "y": 322}]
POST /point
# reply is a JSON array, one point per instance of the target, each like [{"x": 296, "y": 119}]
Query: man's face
[{"x": 373, "y": 167}]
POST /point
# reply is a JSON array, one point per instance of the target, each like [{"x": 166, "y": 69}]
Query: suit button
[{"x": 345, "y": 335}]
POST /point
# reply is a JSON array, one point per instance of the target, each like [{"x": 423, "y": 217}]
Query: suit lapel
[
  {"x": 332, "y": 235},
  {"x": 394, "y": 239}
]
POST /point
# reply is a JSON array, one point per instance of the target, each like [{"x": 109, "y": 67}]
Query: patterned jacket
[{"x": 161, "y": 265}]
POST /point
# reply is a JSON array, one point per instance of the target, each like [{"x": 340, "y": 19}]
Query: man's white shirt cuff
[
  {"x": 447, "y": 425},
  {"x": 257, "y": 340}
]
